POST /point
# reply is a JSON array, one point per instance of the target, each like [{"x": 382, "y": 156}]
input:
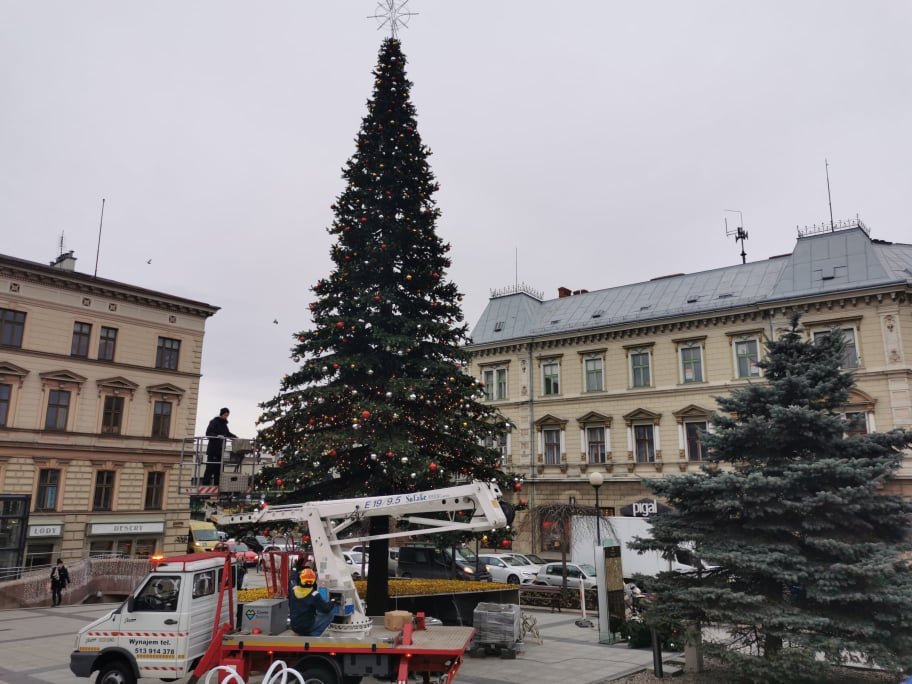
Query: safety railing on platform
[{"x": 228, "y": 467}]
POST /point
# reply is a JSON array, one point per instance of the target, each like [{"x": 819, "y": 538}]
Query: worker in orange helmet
[{"x": 310, "y": 612}]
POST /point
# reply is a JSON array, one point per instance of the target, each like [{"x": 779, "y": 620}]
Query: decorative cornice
[{"x": 21, "y": 270}]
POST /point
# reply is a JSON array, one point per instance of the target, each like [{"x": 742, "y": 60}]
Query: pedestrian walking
[{"x": 60, "y": 578}]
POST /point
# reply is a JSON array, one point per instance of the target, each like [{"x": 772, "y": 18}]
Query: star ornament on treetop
[{"x": 392, "y": 14}]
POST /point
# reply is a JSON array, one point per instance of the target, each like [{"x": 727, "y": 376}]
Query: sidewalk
[{"x": 36, "y": 645}]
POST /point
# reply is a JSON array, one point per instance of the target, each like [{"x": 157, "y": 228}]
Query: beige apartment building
[
  {"x": 99, "y": 383},
  {"x": 621, "y": 381}
]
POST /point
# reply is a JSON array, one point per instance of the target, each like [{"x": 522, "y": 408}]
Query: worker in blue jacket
[{"x": 310, "y": 612}]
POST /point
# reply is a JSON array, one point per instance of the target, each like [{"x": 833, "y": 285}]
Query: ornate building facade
[
  {"x": 99, "y": 383},
  {"x": 621, "y": 381}
]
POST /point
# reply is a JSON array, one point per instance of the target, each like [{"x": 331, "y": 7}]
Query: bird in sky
[
  {"x": 149, "y": 261},
  {"x": 275, "y": 320}
]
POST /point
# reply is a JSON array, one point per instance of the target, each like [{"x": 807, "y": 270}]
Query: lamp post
[{"x": 597, "y": 480}]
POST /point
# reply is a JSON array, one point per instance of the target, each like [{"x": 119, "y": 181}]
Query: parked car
[
  {"x": 553, "y": 574},
  {"x": 358, "y": 563},
  {"x": 392, "y": 564},
  {"x": 526, "y": 558},
  {"x": 243, "y": 553},
  {"x": 429, "y": 562},
  {"x": 508, "y": 569}
]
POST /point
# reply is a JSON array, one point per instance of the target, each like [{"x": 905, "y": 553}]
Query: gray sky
[{"x": 602, "y": 140}]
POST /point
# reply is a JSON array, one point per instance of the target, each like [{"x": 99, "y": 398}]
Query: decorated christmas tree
[
  {"x": 380, "y": 403},
  {"x": 806, "y": 554}
]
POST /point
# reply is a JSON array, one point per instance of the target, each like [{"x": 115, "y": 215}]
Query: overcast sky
[{"x": 600, "y": 141}]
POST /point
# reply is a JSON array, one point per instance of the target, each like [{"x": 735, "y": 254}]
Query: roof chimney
[
  {"x": 65, "y": 262},
  {"x": 563, "y": 292}
]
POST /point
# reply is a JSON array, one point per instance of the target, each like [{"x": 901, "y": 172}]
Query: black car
[{"x": 426, "y": 561}]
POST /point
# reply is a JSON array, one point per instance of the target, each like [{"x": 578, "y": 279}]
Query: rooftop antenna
[
  {"x": 392, "y": 14},
  {"x": 98, "y": 249},
  {"x": 516, "y": 266},
  {"x": 739, "y": 233},
  {"x": 60, "y": 244},
  {"x": 829, "y": 196}
]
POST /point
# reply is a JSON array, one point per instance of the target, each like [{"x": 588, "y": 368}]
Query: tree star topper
[{"x": 392, "y": 14}]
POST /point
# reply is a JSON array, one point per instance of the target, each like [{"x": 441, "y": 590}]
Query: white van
[{"x": 161, "y": 630}]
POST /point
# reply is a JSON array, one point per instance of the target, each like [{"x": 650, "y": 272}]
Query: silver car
[
  {"x": 553, "y": 574},
  {"x": 506, "y": 568}
]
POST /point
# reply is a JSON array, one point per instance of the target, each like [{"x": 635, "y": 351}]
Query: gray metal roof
[{"x": 830, "y": 262}]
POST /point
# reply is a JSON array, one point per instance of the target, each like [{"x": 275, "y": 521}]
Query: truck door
[{"x": 151, "y": 627}]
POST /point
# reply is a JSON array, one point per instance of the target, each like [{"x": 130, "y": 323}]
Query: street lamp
[{"x": 597, "y": 480}]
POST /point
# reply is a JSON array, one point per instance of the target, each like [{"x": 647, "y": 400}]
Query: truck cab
[
  {"x": 203, "y": 536},
  {"x": 163, "y": 628}
]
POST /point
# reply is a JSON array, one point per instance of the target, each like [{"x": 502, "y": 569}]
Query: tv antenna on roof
[{"x": 739, "y": 233}]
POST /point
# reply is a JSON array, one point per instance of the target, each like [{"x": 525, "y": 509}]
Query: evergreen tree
[
  {"x": 380, "y": 403},
  {"x": 809, "y": 550}
]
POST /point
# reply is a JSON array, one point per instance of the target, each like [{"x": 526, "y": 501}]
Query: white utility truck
[{"x": 180, "y": 619}]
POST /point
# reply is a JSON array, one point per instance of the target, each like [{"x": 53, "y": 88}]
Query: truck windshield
[{"x": 205, "y": 535}]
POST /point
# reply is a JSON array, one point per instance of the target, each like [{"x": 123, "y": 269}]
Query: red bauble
[
  {"x": 332, "y": 452},
  {"x": 432, "y": 466},
  {"x": 311, "y": 422},
  {"x": 340, "y": 324},
  {"x": 517, "y": 487},
  {"x": 279, "y": 482},
  {"x": 364, "y": 219},
  {"x": 523, "y": 502},
  {"x": 365, "y": 414},
  {"x": 506, "y": 543}
]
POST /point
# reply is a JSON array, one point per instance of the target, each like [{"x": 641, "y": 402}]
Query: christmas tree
[
  {"x": 808, "y": 550},
  {"x": 380, "y": 403}
]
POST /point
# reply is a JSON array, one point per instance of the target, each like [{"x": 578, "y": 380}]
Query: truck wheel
[
  {"x": 318, "y": 674},
  {"x": 512, "y": 579},
  {"x": 115, "y": 672}
]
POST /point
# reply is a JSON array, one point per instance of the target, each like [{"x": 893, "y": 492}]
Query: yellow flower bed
[{"x": 398, "y": 587}]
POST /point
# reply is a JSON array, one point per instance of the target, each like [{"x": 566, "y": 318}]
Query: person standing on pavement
[
  {"x": 216, "y": 431},
  {"x": 60, "y": 578}
]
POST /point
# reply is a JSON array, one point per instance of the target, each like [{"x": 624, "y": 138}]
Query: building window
[
  {"x": 644, "y": 443},
  {"x": 595, "y": 444},
  {"x": 552, "y": 446},
  {"x": 82, "y": 333},
  {"x": 12, "y": 325},
  {"x": 106, "y": 343},
  {"x": 500, "y": 443},
  {"x": 161, "y": 419},
  {"x": 639, "y": 369},
  {"x": 551, "y": 377},
  {"x": 6, "y": 392},
  {"x": 104, "y": 491},
  {"x": 856, "y": 423},
  {"x": 58, "y": 410},
  {"x": 693, "y": 433},
  {"x": 594, "y": 374},
  {"x": 48, "y": 489},
  {"x": 692, "y": 364},
  {"x": 747, "y": 354},
  {"x": 166, "y": 356},
  {"x": 145, "y": 548},
  {"x": 112, "y": 417},
  {"x": 495, "y": 383},
  {"x": 155, "y": 491},
  {"x": 39, "y": 555},
  {"x": 850, "y": 358}
]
